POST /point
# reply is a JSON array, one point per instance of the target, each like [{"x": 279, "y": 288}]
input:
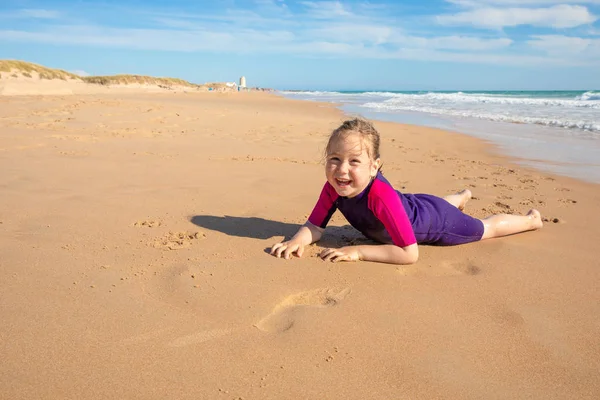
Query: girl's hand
[
  {"x": 349, "y": 253},
  {"x": 286, "y": 249}
]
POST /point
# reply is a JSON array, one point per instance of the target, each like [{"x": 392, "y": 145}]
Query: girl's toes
[{"x": 536, "y": 218}]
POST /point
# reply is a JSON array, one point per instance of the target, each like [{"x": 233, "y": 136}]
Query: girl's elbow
[
  {"x": 412, "y": 260},
  {"x": 411, "y": 254}
]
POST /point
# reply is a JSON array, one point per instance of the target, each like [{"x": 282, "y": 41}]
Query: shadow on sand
[
  {"x": 249, "y": 227},
  {"x": 260, "y": 228}
]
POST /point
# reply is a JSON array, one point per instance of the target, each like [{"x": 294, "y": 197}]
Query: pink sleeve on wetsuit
[
  {"x": 325, "y": 207},
  {"x": 386, "y": 205}
]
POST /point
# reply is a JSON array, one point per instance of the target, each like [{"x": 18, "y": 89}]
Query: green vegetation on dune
[
  {"x": 136, "y": 79},
  {"x": 26, "y": 68},
  {"x": 16, "y": 69}
]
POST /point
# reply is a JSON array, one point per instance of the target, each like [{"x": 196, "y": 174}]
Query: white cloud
[
  {"x": 31, "y": 13},
  {"x": 482, "y": 58},
  {"x": 144, "y": 39},
  {"x": 566, "y": 45},
  {"x": 521, "y": 3},
  {"x": 352, "y": 33},
  {"x": 560, "y": 16},
  {"x": 319, "y": 29},
  {"x": 237, "y": 19},
  {"x": 176, "y": 23},
  {"x": 41, "y": 14},
  {"x": 225, "y": 41},
  {"x": 464, "y": 43},
  {"x": 326, "y": 9},
  {"x": 450, "y": 48},
  {"x": 273, "y": 5}
]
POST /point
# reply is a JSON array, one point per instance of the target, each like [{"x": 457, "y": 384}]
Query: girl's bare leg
[
  {"x": 459, "y": 199},
  {"x": 507, "y": 224}
]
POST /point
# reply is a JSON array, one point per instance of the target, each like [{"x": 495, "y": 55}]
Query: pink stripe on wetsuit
[{"x": 387, "y": 216}]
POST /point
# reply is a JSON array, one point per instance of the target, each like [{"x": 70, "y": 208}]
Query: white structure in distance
[{"x": 243, "y": 81}]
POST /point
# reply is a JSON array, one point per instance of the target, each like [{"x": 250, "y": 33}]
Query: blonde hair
[{"x": 364, "y": 128}]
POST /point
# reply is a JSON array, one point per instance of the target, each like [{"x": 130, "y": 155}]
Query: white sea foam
[
  {"x": 562, "y": 122},
  {"x": 589, "y": 96},
  {"x": 570, "y": 110},
  {"x": 587, "y": 100}
]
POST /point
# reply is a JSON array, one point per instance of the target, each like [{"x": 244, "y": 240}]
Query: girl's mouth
[{"x": 343, "y": 182}]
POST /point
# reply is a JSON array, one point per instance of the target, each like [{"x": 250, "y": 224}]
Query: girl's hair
[{"x": 365, "y": 129}]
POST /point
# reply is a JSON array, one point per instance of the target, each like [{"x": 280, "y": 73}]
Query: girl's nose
[{"x": 344, "y": 167}]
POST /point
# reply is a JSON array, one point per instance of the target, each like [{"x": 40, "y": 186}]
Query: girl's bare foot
[
  {"x": 460, "y": 199},
  {"x": 465, "y": 197},
  {"x": 536, "y": 218}
]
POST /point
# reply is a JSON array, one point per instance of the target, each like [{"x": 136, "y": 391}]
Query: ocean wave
[
  {"x": 587, "y": 100},
  {"x": 310, "y": 93},
  {"x": 590, "y": 99},
  {"x": 349, "y": 95},
  {"x": 587, "y": 125},
  {"x": 589, "y": 96}
]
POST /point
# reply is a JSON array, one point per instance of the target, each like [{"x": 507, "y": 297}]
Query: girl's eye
[
  {"x": 355, "y": 161},
  {"x": 334, "y": 159}
]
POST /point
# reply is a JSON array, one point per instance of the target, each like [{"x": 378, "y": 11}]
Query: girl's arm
[
  {"x": 307, "y": 234},
  {"x": 389, "y": 253},
  {"x": 386, "y": 253}
]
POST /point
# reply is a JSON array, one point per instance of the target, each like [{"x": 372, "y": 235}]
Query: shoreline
[
  {"x": 543, "y": 147},
  {"x": 532, "y": 153},
  {"x": 134, "y": 231}
]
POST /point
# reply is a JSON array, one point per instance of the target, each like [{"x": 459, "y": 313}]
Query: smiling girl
[{"x": 399, "y": 221}]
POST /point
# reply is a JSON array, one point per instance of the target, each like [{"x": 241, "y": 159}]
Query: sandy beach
[{"x": 134, "y": 237}]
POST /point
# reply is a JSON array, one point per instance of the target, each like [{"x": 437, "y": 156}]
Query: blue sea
[{"x": 555, "y": 131}]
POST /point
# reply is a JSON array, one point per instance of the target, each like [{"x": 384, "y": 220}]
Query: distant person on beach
[{"x": 399, "y": 221}]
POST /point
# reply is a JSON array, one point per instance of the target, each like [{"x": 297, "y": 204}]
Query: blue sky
[{"x": 285, "y": 44}]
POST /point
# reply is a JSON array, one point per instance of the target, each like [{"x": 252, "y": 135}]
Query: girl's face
[{"x": 349, "y": 168}]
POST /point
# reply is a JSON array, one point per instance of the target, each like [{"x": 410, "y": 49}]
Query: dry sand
[
  {"x": 134, "y": 237},
  {"x": 22, "y": 86}
]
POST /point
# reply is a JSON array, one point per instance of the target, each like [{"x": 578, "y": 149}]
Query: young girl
[{"x": 399, "y": 221}]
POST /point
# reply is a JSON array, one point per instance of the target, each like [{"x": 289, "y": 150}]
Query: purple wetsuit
[{"x": 387, "y": 216}]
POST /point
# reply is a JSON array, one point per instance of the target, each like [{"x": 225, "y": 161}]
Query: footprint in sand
[
  {"x": 465, "y": 267},
  {"x": 554, "y": 220},
  {"x": 177, "y": 240},
  {"x": 282, "y": 317},
  {"x": 568, "y": 201},
  {"x": 503, "y": 206},
  {"x": 199, "y": 337},
  {"x": 444, "y": 268},
  {"x": 148, "y": 223}
]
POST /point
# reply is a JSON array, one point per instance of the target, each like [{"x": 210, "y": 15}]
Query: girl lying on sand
[{"x": 400, "y": 221}]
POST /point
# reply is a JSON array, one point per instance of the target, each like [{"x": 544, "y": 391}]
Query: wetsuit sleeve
[
  {"x": 386, "y": 205},
  {"x": 325, "y": 207}
]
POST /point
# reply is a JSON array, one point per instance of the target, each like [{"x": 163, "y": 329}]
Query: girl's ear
[{"x": 375, "y": 166}]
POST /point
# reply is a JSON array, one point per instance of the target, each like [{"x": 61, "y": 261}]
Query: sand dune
[
  {"x": 134, "y": 234},
  {"x": 24, "y": 78}
]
